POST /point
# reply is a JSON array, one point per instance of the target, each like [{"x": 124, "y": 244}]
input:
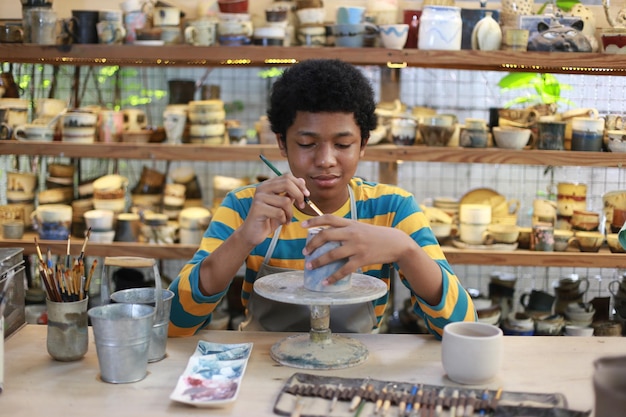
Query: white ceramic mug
[
  {"x": 111, "y": 32},
  {"x": 200, "y": 32},
  {"x": 471, "y": 352}
]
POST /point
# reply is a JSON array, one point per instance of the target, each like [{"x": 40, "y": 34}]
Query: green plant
[
  {"x": 564, "y": 5},
  {"x": 547, "y": 89}
]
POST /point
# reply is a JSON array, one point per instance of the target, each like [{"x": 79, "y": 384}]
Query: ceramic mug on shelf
[
  {"x": 111, "y": 32},
  {"x": 201, "y": 32}
]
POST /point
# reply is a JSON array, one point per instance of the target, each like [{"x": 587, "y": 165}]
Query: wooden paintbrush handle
[{"x": 129, "y": 261}]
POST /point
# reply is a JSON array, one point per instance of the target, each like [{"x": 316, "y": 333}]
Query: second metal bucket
[
  {"x": 161, "y": 320},
  {"x": 122, "y": 334},
  {"x": 145, "y": 296}
]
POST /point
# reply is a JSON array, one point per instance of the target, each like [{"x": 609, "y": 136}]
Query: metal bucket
[
  {"x": 142, "y": 296},
  {"x": 122, "y": 333},
  {"x": 147, "y": 296}
]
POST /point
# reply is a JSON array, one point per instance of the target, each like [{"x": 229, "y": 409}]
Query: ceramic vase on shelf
[
  {"x": 440, "y": 28},
  {"x": 487, "y": 35}
]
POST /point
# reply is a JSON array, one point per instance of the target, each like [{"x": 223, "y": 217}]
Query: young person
[{"x": 322, "y": 112}]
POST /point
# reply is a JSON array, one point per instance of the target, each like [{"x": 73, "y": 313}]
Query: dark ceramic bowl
[{"x": 233, "y": 6}]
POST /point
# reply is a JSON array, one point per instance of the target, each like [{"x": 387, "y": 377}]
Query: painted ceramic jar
[{"x": 440, "y": 28}]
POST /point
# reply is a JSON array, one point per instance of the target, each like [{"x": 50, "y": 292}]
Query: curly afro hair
[{"x": 322, "y": 85}]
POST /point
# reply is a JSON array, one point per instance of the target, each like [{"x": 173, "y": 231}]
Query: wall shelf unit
[{"x": 387, "y": 155}]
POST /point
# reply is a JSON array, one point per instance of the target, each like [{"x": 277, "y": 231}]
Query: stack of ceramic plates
[
  {"x": 59, "y": 185},
  {"x": 449, "y": 205},
  {"x": 206, "y": 119}
]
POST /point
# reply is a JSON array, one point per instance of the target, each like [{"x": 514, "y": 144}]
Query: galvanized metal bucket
[
  {"x": 122, "y": 333},
  {"x": 161, "y": 320},
  {"x": 158, "y": 340}
]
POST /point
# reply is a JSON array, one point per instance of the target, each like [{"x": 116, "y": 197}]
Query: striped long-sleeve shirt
[{"x": 377, "y": 204}]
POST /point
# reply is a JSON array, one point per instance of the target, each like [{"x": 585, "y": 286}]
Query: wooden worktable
[{"x": 36, "y": 385}]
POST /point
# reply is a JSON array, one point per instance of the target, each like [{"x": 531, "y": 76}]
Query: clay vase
[{"x": 487, "y": 35}]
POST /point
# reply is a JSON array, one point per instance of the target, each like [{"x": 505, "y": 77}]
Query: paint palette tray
[
  {"x": 213, "y": 374},
  {"x": 314, "y": 395}
]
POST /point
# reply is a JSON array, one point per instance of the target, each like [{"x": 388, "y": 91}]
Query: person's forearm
[
  {"x": 422, "y": 273},
  {"x": 218, "y": 269}
]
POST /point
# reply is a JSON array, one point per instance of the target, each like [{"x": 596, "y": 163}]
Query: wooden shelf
[
  {"x": 602, "y": 259},
  {"x": 187, "y": 55},
  {"x": 380, "y": 153},
  {"x": 145, "y": 250}
]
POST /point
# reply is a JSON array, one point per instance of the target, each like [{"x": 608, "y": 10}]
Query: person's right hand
[{"x": 273, "y": 206}]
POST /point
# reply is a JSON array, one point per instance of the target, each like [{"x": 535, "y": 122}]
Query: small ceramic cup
[
  {"x": 543, "y": 237},
  {"x": 313, "y": 278},
  {"x": 562, "y": 239},
  {"x": 471, "y": 352}
]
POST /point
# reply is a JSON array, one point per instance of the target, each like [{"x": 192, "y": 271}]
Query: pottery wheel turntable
[{"x": 319, "y": 349}]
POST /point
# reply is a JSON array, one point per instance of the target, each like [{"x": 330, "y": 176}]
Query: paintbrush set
[
  {"x": 64, "y": 277},
  {"x": 314, "y": 395}
]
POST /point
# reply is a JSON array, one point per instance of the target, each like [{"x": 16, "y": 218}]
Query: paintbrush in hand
[{"x": 277, "y": 172}]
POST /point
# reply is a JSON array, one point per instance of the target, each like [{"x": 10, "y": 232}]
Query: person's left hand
[{"x": 361, "y": 243}]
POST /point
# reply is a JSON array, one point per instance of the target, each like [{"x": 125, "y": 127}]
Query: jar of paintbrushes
[{"x": 67, "y": 289}]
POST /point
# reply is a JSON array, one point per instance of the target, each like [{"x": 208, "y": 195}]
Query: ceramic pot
[
  {"x": 487, "y": 35},
  {"x": 440, "y": 28}
]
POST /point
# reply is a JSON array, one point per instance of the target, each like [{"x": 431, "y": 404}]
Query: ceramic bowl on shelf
[
  {"x": 511, "y": 137},
  {"x": 394, "y": 36},
  {"x": 233, "y": 6}
]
